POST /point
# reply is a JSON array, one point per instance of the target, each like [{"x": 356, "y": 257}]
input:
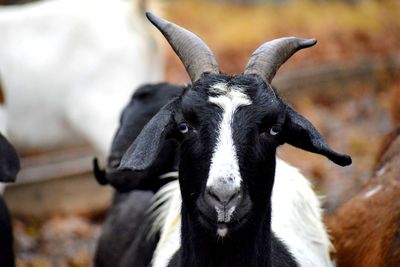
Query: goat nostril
[
  {"x": 223, "y": 197},
  {"x": 235, "y": 195},
  {"x": 213, "y": 195}
]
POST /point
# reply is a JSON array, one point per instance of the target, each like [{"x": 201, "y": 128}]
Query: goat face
[
  {"x": 144, "y": 104},
  {"x": 228, "y": 128},
  {"x": 228, "y": 153}
]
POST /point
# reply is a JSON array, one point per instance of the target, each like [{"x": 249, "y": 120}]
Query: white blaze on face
[{"x": 224, "y": 176}]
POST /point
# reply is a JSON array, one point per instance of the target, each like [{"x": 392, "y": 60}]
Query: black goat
[
  {"x": 144, "y": 104},
  {"x": 124, "y": 241},
  {"x": 9, "y": 167},
  {"x": 228, "y": 128}
]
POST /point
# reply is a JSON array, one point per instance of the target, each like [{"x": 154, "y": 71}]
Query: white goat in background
[{"x": 69, "y": 66}]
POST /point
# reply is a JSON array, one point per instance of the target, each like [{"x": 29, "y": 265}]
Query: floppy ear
[
  {"x": 144, "y": 150},
  {"x": 9, "y": 161},
  {"x": 299, "y": 132}
]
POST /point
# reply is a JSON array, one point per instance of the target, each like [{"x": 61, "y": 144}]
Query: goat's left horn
[
  {"x": 267, "y": 59},
  {"x": 193, "y": 52}
]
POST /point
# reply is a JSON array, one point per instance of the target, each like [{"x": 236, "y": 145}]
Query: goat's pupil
[
  {"x": 274, "y": 130},
  {"x": 183, "y": 127}
]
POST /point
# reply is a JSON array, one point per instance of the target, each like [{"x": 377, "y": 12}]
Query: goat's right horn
[
  {"x": 267, "y": 59},
  {"x": 192, "y": 51}
]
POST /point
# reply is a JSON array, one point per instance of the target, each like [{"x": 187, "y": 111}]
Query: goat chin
[{"x": 296, "y": 220}]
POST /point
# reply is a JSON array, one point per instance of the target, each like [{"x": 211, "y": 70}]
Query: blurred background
[{"x": 347, "y": 85}]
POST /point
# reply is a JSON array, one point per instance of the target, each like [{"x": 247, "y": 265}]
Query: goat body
[
  {"x": 122, "y": 242},
  {"x": 303, "y": 232},
  {"x": 125, "y": 240},
  {"x": 70, "y": 66},
  {"x": 9, "y": 167},
  {"x": 6, "y": 234},
  {"x": 366, "y": 228}
]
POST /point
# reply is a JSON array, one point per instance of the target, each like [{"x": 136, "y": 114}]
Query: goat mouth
[{"x": 221, "y": 227}]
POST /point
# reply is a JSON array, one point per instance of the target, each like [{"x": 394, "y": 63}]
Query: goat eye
[
  {"x": 274, "y": 130},
  {"x": 183, "y": 127}
]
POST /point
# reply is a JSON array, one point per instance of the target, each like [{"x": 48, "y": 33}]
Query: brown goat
[{"x": 366, "y": 229}]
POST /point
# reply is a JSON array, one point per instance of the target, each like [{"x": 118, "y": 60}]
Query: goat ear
[
  {"x": 9, "y": 161},
  {"x": 144, "y": 150},
  {"x": 299, "y": 132}
]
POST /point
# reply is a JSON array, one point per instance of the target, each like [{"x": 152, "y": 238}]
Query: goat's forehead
[
  {"x": 228, "y": 96},
  {"x": 223, "y": 88},
  {"x": 211, "y": 99}
]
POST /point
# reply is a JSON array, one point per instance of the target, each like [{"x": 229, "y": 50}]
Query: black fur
[
  {"x": 280, "y": 257},
  {"x": 9, "y": 161},
  {"x": 249, "y": 241},
  {"x": 145, "y": 103},
  {"x": 124, "y": 233},
  {"x": 124, "y": 240},
  {"x": 6, "y": 237},
  {"x": 9, "y": 167}
]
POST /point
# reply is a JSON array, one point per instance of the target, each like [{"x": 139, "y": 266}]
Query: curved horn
[
  {"x": 267, "y": 59},
  {"x": 193, "y": 52}
]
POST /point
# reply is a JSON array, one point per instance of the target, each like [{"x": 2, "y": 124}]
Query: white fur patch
[
  {"x": 297, "y": 217},
  {"x": 373, "y": 191},
  {"x": 163, "y": 200},
  {"x": 381, "y": 171},
  {"x": 65, "y": 77},
  {"x": 168, "y": 223},
  {"x": 224, "y": 175}
]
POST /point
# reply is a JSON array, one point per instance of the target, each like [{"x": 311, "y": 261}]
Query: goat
[
  {"x": 365, "y": 229},
  {"x": 228, "y": 129},
  {"x": 141, "y": 205},
  {"x": 132, "y": 207},
  {"x": 9, "y": 167},
  {"x": 72, "y": 64},
  {"x": 124, "y": 235}
]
